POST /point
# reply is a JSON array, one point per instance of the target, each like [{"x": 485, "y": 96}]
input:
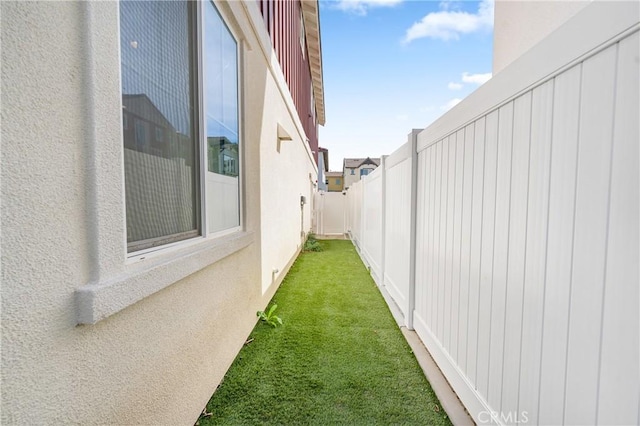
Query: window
[
  {"x": 364, "y": 172},
  {"x": 337, "y": 181},
  {"x": 161, "y": 93},
  {"x": 353, "y": 171},
  {"x": 220, "y": 58},
  {"x": 141, "y": 136}
]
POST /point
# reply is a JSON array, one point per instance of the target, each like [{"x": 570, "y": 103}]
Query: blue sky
[{"x": 393, "y": 65}]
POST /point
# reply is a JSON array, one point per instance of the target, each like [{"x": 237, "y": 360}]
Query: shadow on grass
[{"x": 339, "y": 358}]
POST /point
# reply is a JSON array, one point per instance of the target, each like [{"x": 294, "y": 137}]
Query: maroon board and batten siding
[{"x": 282, "y": 19}]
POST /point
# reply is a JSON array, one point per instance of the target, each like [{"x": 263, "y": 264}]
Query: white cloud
[
  {"x": 402, "y": 117},
  {"x": 453, "y": 102},
  {"x": 360, "y": 7},
  {"x": 476, "y": 78},
  {"x": 448, "y": 4},
  {"x": 449, "y": 24},
  {"x": 454, "y": 86}
]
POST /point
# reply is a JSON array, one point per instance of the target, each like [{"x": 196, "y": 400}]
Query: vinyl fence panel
[
  {"x": 515, "y": 251},
  {"x": 618, "y": 386},
  {"x": 397, "y": 169},
  {"x": 515, "y": 230},
  {"x": 331, "y": 213},
  {"x": 354, "y": 212},
  {"x": 372, "y": 219}
]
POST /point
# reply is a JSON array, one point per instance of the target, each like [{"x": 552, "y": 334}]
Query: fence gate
[{"x": 330, "y": 213}]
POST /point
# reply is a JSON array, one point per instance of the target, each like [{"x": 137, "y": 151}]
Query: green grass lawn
[{"x": 339, "y": 358}]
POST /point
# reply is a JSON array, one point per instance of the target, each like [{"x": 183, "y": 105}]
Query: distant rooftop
[{"x": 353, "y": 163}]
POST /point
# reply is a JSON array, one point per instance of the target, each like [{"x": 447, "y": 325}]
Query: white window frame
[
  {"x": 202, "y": 142},
  {"x": 204, "y": 152},
  {"x": 119, "y": 279}
]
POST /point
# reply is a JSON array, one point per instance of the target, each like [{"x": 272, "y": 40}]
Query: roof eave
[{"x": 311, "y": 16}]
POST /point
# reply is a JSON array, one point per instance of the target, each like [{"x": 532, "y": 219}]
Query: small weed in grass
[
  {"x": 203, "y": 415},
  {"x": 312, "y": 244},
  {"x": 270, "y": 317}
]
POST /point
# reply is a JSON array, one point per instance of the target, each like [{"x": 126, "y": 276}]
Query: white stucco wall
[
  {"x": 287, "y": 170},
  {"x": 287, "y": 222},
  {"x": 285, "y": 175},
  {"x": 519, "y": 25},
  {"x": 159, "y": 360}
]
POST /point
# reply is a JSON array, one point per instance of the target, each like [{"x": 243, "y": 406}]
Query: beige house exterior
[
  {"x": 93, "y": 333},
  {"x": 335, "y": 181},
  {"x": 354, "y": 168}
]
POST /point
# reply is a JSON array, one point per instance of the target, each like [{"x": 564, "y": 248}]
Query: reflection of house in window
[
  {"x": 147, "y": 130},
  {"x": 222, "y": 156}
]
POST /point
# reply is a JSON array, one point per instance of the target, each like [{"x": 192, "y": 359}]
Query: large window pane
[
  {"x": 221, "y": 119},
  {"x": 160, "y": 155}
]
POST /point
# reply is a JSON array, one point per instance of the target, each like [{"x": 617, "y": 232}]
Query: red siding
[{"x": 282, "y": 20}]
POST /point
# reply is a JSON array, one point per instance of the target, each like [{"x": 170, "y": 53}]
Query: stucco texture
[
  {"x": 285, "y": 177},
  {"x": 159, "y": 360}
]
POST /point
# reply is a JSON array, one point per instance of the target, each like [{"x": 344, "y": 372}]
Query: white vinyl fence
[
  {"x": 372, "y": 232},
  {"x": 169, "y": 192},
  {"x": 523, "y": 276},
  {"x": 331, "y": 213}
]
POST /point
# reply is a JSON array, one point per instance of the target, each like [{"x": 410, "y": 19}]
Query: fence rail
[{"x": 507, "y": 232}]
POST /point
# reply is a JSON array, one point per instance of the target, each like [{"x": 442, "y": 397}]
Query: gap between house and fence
[{"x": 506, "y": 234}]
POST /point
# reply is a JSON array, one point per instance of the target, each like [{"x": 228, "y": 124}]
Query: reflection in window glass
[
  {"x": 220, "y": 55},
  {"x": 221, "y": 90},
  {"x": 158, "y": 77}
]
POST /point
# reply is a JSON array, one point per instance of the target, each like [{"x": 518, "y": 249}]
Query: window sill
[{"x": 97, "y": 301}]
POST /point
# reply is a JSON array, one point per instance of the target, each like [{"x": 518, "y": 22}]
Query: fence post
[
  {"x": 413, "y": 140},
  {"x": 362, "y": 223},
  {"x": 320, "y": 214},
  {"x": 383, "y": 216}
]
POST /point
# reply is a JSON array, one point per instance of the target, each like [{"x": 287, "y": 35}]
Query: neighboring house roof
[
  {"x": 333, "y": 174},
  {"x": 311, "y": 18},
  {"x": 354, "y": 163}
]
